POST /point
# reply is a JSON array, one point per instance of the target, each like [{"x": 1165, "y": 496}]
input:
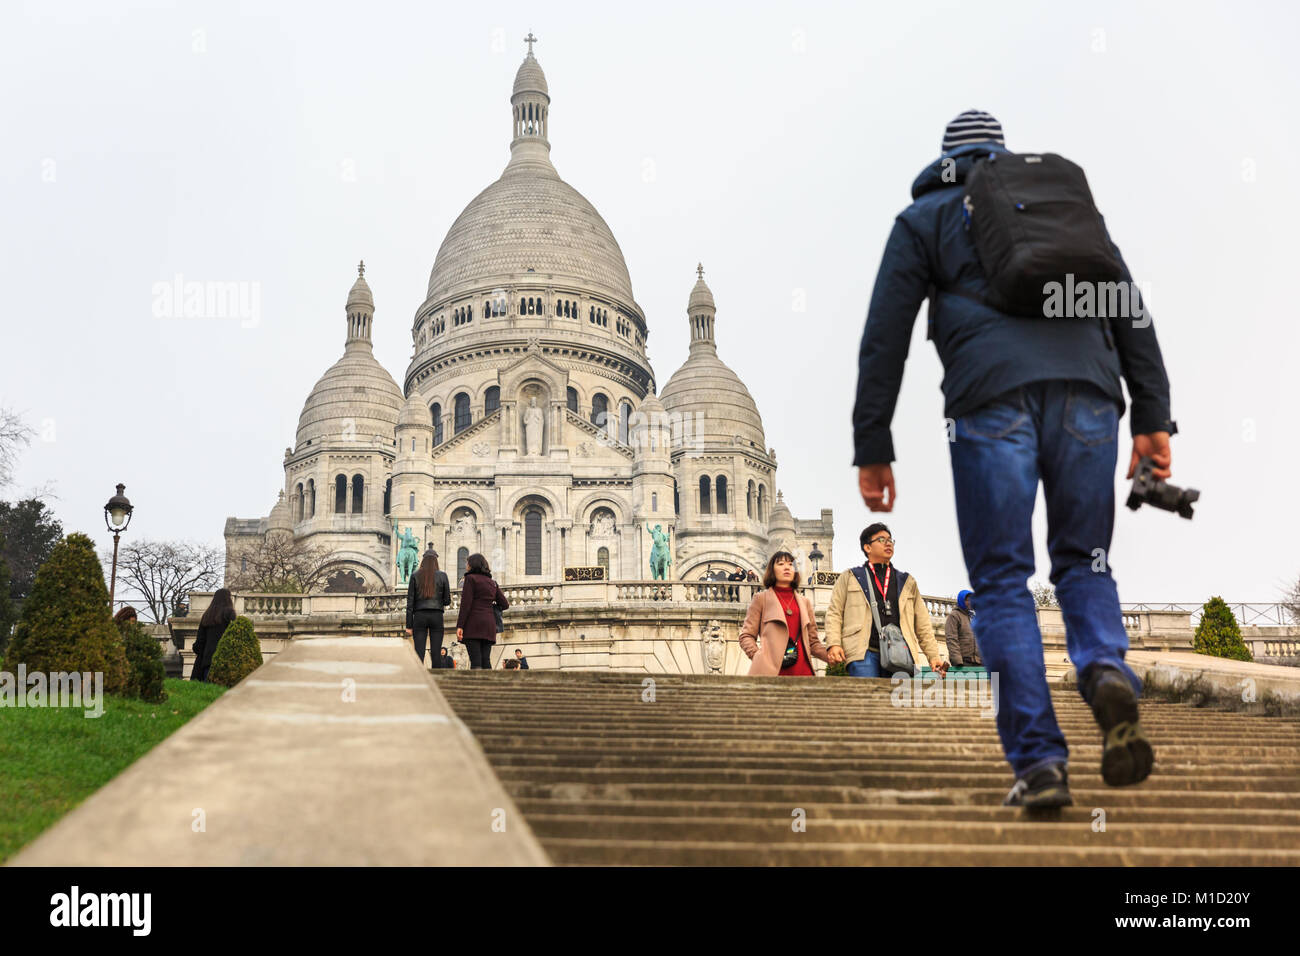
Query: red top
[{"x": 790, "y": 604}]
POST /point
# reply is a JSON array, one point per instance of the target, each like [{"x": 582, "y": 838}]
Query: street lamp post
[
  {"x": 815, "y": 556},
  {"x": 117, "y": 515}
]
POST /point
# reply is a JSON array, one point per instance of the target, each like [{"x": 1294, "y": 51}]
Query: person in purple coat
[{"x": 476, "y": 625}]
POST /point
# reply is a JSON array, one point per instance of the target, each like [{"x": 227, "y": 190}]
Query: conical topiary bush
[
  {"x": 144, "y": 660},
  {"x": 238, "y": 654},
  {"x": 1218, "y": 634},
  {"x": 65, "y": 624}
]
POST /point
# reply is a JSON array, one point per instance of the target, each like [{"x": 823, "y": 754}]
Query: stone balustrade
[{"x": 611, "y": 623}]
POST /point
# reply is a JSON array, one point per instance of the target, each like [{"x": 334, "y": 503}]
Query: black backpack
[{"x": 1033, "y": 221}]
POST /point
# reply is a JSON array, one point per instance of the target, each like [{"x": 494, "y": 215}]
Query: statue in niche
[
  {"x": 660, "y": 556},
  {"x": 532, "y": 428},
  {"x": 602, "y": 524},
  {"x": 463, "y": 524}
]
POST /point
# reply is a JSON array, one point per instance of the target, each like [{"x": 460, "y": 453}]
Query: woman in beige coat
[{"x": 780, "y": 631}]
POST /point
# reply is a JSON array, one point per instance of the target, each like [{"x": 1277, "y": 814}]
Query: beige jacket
[
  {"x": 765, "y": 621},
  {"x": 849, "y": 623}
]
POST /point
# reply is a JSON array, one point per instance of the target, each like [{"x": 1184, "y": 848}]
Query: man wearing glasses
[{"x": 850, "y": 631}]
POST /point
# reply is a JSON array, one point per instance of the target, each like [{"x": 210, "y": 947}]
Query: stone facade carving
[{"x": 714, "y": 647}]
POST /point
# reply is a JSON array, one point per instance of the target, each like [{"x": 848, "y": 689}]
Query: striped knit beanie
[{"x": 972, "y": 126}]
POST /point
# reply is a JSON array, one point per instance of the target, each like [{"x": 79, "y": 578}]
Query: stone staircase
[{"x": 753, "y": 771}]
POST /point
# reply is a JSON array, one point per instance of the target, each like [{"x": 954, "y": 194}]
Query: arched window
[
  {"x": 492, "y": 400},
  {"x": 311, "y": 497},
  {"x": 411, "y": 504},
  {"x": 358, "y": 494},
  {"x": 624, "y": 416},
  {"x": 533, "y": 541},
  {"x": 762, "y": 502},
  {"x": 602, "y": 558},
  {"x": 462, "y": 417},
  {"x": 749, "y": 500},
  {"x": 436, "y": 411},
  {"x": 340, "y": 495},
  {"x": 298, "y": 504},
  {"x": 462, "y": 558},
  {"x": 388, "y": 494},
  {"x": 722, "y": 494},
  {"x": 487, "y": 308},
  {"x": 677, "y": 499},
  {"x": 704, "y": 495},
  {"x": 571, "y": 399},
  {"x": 599, "y": 410},
  {"x": 654, "y": 501}
]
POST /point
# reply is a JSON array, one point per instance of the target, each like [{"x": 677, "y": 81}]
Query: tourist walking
[
  {"x": 958, "y": 634},
  {"x": 427, "y": 595},
  {"x": 218, "y": 616},
  {"x": 779, "y": 634},
  {"x": 476, "y": 625},
  {"x": 851, "y": 634},
  {"x": 523, "y": 661},
  {"x": 1029, "y": 396}
]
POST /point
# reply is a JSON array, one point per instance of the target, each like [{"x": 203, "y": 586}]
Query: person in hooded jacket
[
  {"x": 957, "y": 632},
  {"x": 1027, "y": 399}
]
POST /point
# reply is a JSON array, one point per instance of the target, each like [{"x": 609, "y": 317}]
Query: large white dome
[{"x": 529, "y": 225}]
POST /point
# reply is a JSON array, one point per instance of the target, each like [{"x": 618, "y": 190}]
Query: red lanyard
[{"x": 884, "y": 592}]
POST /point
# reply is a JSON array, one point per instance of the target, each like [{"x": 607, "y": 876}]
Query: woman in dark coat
[
  {"x": 476, "y": 625},
  {"x": 212, "y": 625},
  {"x": 427, "y": 595}
]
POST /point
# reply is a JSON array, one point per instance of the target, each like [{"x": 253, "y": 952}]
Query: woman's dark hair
[
  {"x": 870, "y": 531},
  {"x": 769, "y": 575},
  {"x": 477, "y": 564},
  {"x": 220, "y": 611},
  {"x": 426, "y": 579},
  {"x": 126, "y": 614}
]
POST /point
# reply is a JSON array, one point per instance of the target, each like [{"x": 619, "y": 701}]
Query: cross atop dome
[
  {"x": 530, "y": 40},
  {"x": 361, "y": 269},
  {"x": 699, "y": 270}
]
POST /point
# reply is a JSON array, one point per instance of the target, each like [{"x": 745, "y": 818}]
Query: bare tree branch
[
  {"x": 14, "y": 432},
  {"x": 279, "y": 563},
  {"x": 163, "y": 572}
]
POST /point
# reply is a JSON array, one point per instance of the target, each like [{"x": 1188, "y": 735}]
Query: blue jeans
[
  {"x": 869, "y": 666},
  {"x": 1065, "y": 433}
]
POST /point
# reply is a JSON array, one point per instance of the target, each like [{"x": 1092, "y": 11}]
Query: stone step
[
  {"x": 911, "y": 780},
  {"x": 708, "y": 810},
  {"x": 1090, "y": 795},
  {"x": 716, "y": 853},
  {"x": 733, "y": 760},
  {"x": 745, "y": 828},
  {"x": 522, "y": 742}
]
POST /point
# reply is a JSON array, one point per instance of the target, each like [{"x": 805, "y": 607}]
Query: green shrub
[
  {"x": 838, "y": 669},
  {"x": 238, "y": 654},
  {"x": 144, "y": 658},
  {"x": 65, "y": 623},
  {"x": 1218, "y": 634}
]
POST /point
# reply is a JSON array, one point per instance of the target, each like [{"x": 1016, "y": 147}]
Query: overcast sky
[{"x": 277, "y": 144}]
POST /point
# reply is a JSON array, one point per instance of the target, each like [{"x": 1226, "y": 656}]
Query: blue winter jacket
[{"x": 984, "y": 352}]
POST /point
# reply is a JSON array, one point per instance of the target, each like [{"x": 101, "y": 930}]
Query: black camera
[{"x": 1151, "y": 490}]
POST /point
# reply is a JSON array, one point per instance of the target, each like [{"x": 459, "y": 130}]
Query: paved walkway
[{"x": 340, "y": 751}]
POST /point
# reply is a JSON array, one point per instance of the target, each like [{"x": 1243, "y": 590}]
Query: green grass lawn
[{"x": 52, "y": 758}]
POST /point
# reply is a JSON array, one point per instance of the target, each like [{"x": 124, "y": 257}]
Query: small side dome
[
  {"x": 780, "y": 517},
  {"x": 359, "y": 295},
  {"x": 278, "y": 519},
  {"x": 414, "y": 414},
  {"x": 701, "y": 294},
  {"x": 530, "y": 78}
]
